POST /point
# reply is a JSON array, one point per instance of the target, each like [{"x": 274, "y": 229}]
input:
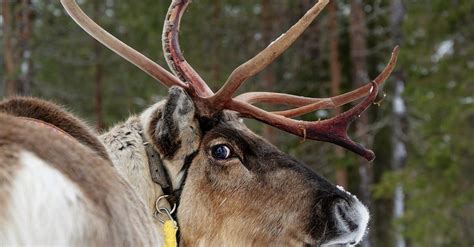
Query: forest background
[{"x": 420, "y": 187}]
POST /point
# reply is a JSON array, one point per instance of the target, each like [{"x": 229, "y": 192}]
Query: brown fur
[
  {"x": 56, "y": 116},
  {"x": 111, "y": 200},
  {"x": 234, "y": 195},
  {"x": 258, "y": 196}
]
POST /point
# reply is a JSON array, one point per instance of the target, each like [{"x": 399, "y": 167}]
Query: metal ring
[
  {"x": 166, "y": 212},
  {"x": 157, "y": 207}
]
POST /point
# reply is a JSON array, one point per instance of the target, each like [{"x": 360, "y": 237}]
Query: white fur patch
[
  {"x": 45, "y": 207},
  {"x": 357, "y": 213},
  {"x": 364, "y": 220}
]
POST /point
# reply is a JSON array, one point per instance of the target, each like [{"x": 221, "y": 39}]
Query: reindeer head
[{"x": 234, "y": 186}]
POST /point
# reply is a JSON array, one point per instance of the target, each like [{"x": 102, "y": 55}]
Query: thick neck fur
[{"x": 126, "y": 148}]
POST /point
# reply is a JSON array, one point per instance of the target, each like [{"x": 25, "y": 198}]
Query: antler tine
[
  {"x": 307, "y": 105},
  {"x": 267, "y": 56},
  {"x": 276, "y": 98},
  {"x": 172, "y": 50},
  {"x": 332, "y": 130},
  {"x": 125, "y": 51}
]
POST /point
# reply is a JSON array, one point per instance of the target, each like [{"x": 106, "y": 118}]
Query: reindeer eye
[{"x": 220, "y": 152}]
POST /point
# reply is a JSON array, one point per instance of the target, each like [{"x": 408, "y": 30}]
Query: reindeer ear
[{"x": 176, "y": 130}]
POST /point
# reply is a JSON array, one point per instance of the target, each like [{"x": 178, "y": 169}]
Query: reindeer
[
  {"x": 189, "y": 160},
  {"x": 56, "y": 181}
]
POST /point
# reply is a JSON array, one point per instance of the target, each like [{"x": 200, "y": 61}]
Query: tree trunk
[
  {"x": 335, "y": 67},
  {"x": 310, "y": 51},
  {"x": 25, "y": 25},
  {"x": 8, "y": 52},
  {"x": 358, "y": 52},
  {"x": 268, "y": 75},
  {"x": 216, "y": 68},
  {"x": 399, "y": 151},
  {"x": 98, "y": 74},
  {"x": 16, "y": 45}
]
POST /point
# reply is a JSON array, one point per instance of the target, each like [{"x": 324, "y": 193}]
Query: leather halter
[{"x": 158, "y": 172}]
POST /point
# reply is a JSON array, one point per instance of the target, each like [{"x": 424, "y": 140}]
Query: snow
[
  {"x": 445, "y": 48},
  {"x": 257, "y": 36},
  {"x": 398, "y": 212},
  {"x": 322, "y": 113},
  {"x": 467, "y": 100},
  {"x": 398, "y": 103},
  {"x": 400, "y": 151},
  {"x": 346, "y": 10},
  {"x": 25, "y": 66}
]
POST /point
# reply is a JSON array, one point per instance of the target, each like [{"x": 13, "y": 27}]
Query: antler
[
  {"x": 122, "y": 49},
  {"x": 267, "y": 56},
  {"x": 306, "y": 104},
  {"x": 172, "y": 51},
  {"x": 332, "y": 130}
]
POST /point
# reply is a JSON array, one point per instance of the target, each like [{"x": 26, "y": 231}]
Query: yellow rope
[{"x": 170, "y": 229}]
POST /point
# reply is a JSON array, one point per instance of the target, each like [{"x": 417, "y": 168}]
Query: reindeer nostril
[{"x": 344, "y": 215}]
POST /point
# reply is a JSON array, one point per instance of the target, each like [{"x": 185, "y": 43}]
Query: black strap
[{"x": 157, "y": 171}]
